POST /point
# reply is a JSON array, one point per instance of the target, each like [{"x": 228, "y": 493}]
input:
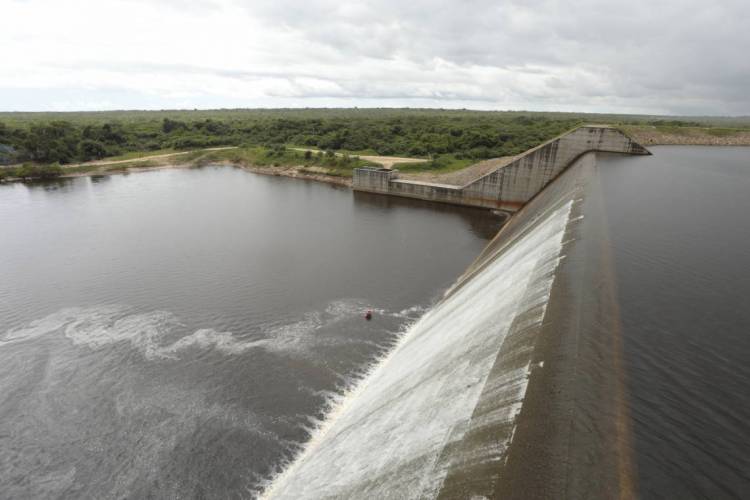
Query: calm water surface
[
  {"x": 680, "y": 235},
  {"x": 179, "y": 332}
]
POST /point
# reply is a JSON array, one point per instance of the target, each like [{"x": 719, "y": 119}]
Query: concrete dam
[
  {"x": 511, "y": 386},
  {"x": 511, "y": 186}
]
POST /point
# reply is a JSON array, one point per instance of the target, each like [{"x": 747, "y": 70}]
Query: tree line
[
  {"x": 474, "y": 135},
  {"x": 83, "y": 137}
]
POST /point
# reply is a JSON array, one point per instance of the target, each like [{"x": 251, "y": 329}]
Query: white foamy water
[
  {"x": 387, "y": 438},
  {"x": 153, "y": 333}
]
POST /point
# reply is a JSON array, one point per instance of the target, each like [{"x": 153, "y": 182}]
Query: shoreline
[
  {"x": 653, "y": 136},
  {"x": 301, "y": 172},
  {"x": 289, "y": 172}
]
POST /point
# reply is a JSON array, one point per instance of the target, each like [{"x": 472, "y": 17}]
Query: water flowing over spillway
[{"x": 419, "y": 422}]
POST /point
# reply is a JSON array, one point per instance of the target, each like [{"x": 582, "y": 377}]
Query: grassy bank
[{"x": 31, "y": 171}]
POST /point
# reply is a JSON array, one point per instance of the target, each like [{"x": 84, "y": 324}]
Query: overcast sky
[{"x": 631, "y": 56}]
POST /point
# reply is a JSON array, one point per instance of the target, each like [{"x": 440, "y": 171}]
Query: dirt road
[{"x": 105, "y": 162}]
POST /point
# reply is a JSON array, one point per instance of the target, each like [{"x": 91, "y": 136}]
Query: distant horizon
[{"x": 407, "y": 108}]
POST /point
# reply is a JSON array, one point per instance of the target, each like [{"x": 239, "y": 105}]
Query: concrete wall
[
  {"x": 509, "y": 187},
  {"x": 373, "y": 180}
]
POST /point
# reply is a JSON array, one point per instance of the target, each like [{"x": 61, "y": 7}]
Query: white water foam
[
  {"x": 151, "y": 332},
  {"x": 384, "y": 439}
]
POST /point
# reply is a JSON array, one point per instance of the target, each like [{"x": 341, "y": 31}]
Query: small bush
[{"x": 30, "y": 171}]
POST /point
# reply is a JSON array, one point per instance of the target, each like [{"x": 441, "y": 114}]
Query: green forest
[{"x": 48, "y": 138}]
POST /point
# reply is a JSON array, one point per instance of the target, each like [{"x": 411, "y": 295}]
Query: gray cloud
[
  {"x": 679, "y": 52},
  {"x": 671, "y": 56}
]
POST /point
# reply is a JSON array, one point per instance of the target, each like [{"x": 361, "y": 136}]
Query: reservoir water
[
  {"x": 179, "y": 333},
  {"x": 679, "y": 235}
]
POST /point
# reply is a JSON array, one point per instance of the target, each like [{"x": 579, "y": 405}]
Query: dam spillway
[
  {"x": 615, "y": 367},
  {"x": 438, "y": 416}
]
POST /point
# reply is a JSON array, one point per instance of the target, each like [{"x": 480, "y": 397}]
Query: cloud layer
[{"x": 672, "y": 57}]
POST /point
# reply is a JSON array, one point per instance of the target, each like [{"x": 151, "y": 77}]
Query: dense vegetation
[
  {"x": 443, "y": 135},
  {"x": 66, "y": 139}
]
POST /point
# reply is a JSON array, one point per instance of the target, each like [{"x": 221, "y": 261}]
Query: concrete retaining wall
[
  {"x": 511, "y": 186},
  {"x": 373, "y": 180}
]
